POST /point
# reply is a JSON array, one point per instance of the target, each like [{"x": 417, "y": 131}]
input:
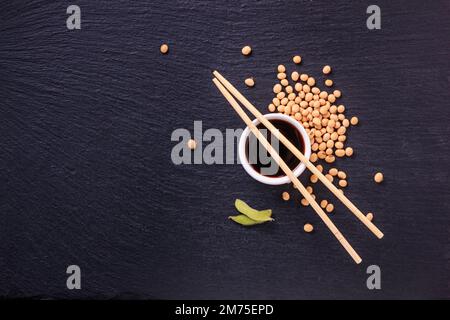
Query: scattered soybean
[
  {"x": 308, "y": 228},
  {"x": 246, "y": 50},
  {"x": 249, "y": 82},
  {"x": 164, "y": 48},
  {"x": 326, "y": 69},
  {"x": 297, "y": 59},
  {"x": 378, "y": 177},
  {"x": 192, "y": 144}
]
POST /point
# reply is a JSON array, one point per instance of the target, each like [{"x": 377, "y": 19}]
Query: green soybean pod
[
  {"x": 242, "y": 207},
  {"x": 242, "y": 219}
]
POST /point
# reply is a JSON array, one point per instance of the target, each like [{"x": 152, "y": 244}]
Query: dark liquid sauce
[{"x": 291, "y": 133}]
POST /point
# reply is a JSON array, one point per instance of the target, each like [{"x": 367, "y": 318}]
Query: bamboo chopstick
[
  {"x": 299, "y": 155},
  {"x": 288, "y": 172}
]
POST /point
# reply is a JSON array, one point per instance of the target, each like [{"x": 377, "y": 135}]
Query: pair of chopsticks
[{"x": 228, "y": 91}]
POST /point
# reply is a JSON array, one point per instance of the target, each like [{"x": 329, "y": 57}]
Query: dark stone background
[{"x": 85, "y": 171}]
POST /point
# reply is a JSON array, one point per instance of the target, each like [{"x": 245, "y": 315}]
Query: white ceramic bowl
[{"x": 273, "y": 180}]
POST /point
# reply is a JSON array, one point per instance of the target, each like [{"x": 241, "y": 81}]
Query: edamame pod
[
  {"x": 260, "y": 216},
  {"x": 242, "y": 219}
]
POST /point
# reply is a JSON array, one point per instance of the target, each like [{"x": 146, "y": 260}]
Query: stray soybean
[
  {"x": 246, "y": 50},
  {"x": 378, "y": 177},
  {"x": 249, "y": 82},
  {"x": 192, "y": 144},
  {"x": 308, "y": 228},
  {"x": 297, "y": 59},
  {"x": 326, "y": 69}
]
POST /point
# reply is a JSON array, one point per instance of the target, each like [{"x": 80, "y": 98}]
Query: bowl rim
[{"x": 269, "y": 180}]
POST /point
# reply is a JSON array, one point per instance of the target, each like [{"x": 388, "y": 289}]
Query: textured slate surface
[{"x": 85, "y": 171}]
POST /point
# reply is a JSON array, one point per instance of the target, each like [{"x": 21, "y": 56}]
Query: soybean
[
  {"x": 249, "y": 82},
  {"x": 343, "y": 183},
  {"x": 329, "y": 207},
  {"x": 326, "y": 69},
  {"x": 192, "y": 144},
  {"x": 277, "y": 88},
  {"x": 354, "y": 121},
  {"x": 311, "y": 81},
  {"x": 308, "y": 228},
  {"x": 339, "y": 153},
  {"x": 164, "y": 48},
  {"x": 348, "y": 151},
  {"x": 378, "y": 177},
  {"x": 297, "y": 59},
  {"x": 333, "y": 171},
  {"x": 304, "y": 202},
  {"x": 246, "y": 50}
]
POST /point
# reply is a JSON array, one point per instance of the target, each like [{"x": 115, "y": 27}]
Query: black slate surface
[{"x": 86, "y": 177}]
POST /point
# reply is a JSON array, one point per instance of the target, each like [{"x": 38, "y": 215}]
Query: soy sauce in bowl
[{"x": 291, "y": 133}]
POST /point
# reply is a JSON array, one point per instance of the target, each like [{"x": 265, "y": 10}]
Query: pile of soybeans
[
  {"x": 317, "y": 110},
  {"x": 300, "y": 96}
]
